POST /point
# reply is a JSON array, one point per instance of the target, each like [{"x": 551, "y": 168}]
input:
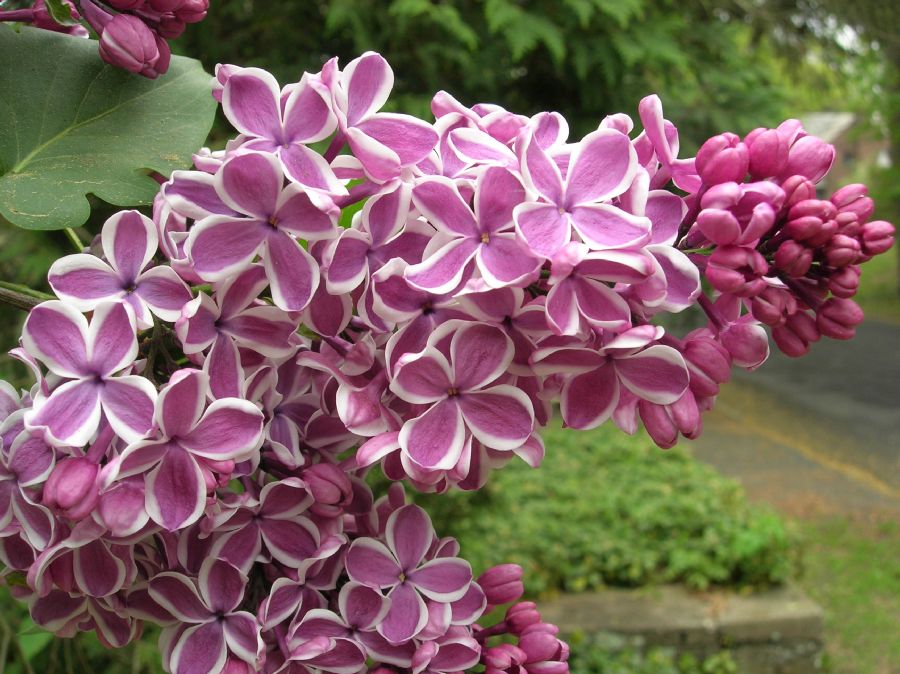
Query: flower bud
[
  {"x": 841, "y": 251},
  {"x": 844, "y": 282},
  {"x": 162, "y": 63},
  {"x": 877, "y": 237},
  {"x": 737, "y": 270},
  {"x": 747, "y": 343},
  {"x": 848, "y": 194},
  {"x": 793, "y": 258},
  {"x": 797, "y": 189},
  {"x": 768, "y": 150},
  {"x": 810, "y": 157},
  {"x": 330, "y": 488},
  {"x": 796, "y": 334},
  {"x": 192, "y": 11},
  {"x": 502, "y": 584},
  {"x": 720, "y": 227},
  {"x": 41, "y": 18},
  {"x": 772, "y": 305},
  {"x": 126, "y": 5},
  {"x": 723, "y": 158},
  {"x": 708, "y": 363},
  {"x": 127, "y": 42},
  {"x": 521, "y": 615},
  {"x": 539, "y": 646},
  {"x": 502, "y": 657},
  {"x": 164, "y": 6},
  {"x": 73, "y": 487},
  {"x": 837, "y": 318},
  {"x": 170, "y": 27}
]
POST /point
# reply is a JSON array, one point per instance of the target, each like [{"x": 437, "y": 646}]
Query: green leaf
[
  {"x": 75, "y": 126},
  {"x": 61, "y": 13}
]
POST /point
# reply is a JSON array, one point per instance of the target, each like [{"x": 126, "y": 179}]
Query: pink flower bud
[
  {"x": 849, "y": 194},
  {"x": 73, "y": 487},
  {"x": 841, "y": 251},
  {"x": 170, "y": 27},
  {"x": 126, "y": 5},
  {"x": 502, "y": 657},
  {"x": 810, "y": 157},
  {"x": 521, "y": 615},
  {"x": 772, "y": 305},
  {"x": 793, "y": 258},
  {"x": 539, "y": 646},
  {"x": 41, "y": 18},
  {"x": 747, "y": 343},
  {"x": 737, "y": 270},
  {"x": 837, "y": 318},
  {"x": 162, "y": 63},
  {"x": 720, "y": 227},
  {"x": 797, "y": 189},
  {"x": 877, "y": 237},
  {"x": 192, "y": 11},
  {"x": 665, "y": 422},
  {"x": 709, "y": 365},
  {"x": 768, "y": 150},
  {"x": 502, "y": 584},
  {"x": 796, "y": 334},
  {"x": 723, "y": 158},
  {"x": 163, "y": 6},
  {"x": 127, "y": 42},
  {"x": 844, "y": 282},
  {"x": 330, "y": 488}
]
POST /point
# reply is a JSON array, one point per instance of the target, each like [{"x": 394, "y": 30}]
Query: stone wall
[{"x": 773, "y": 632}]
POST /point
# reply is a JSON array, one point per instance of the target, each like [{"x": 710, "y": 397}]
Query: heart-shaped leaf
[{"x": 73, "y": 126}]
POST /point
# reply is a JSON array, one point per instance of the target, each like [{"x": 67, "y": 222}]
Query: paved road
[{"x": 819, "y": 434}]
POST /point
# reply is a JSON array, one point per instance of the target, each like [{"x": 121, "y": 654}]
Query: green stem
[
  {"x": 21, "y": 297},
  {"x": 74, "y": 238}
]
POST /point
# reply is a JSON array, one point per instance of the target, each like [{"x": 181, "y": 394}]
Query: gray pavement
[{"x": 819, "y": 434}]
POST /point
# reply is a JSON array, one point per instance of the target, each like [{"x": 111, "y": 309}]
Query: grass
[{"x": 853, "y": 571}]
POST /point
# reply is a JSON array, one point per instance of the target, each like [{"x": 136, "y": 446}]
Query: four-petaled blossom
[
  {"x": 129, "y": 243},
  {"x": 400, "y": 567},
  {"x": 87, "y": 357}
]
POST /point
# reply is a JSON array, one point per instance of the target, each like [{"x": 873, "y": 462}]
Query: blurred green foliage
[
  {"x": 602, "y": 655},
  {"x": 609, "y": 509}
]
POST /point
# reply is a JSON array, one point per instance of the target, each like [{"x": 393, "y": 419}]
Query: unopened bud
[
  {"x": 838, "y": 317},
  {"x": 502, "y": 584},
  {"x": 841, "y": 251},
  {"x": 127, "y": 42},
  {"x": 708, "y": 363},
  {"x": 793, "y": 258},
  {"x": 723, "y": 158},
  {"x": 521, "y": 615},
  {"x": 768, "y": 150},
  {"x": 877, "y": 237},
  {"x": 844, "y": 282},
  {"x": 73, "y": 487},
  {"x": 737, "y": 270}
]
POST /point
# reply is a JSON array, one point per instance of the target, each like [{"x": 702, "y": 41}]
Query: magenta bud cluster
[{"x": 216, "y": 379}]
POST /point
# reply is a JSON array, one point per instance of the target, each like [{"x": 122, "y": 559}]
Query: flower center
[
  {"x": 485, "y": 238},
  {"x": 452, "y": 392}
]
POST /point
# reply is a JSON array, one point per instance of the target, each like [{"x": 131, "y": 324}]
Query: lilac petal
[
  {"x": 223, "y": 367},
  {"x": 306, "y": 214},
  {"x": 193, "y": 195},
  {"x": 181, "y": 402},
  {"x": 220, "y": 246},
  {"x": 542, "y": 227},
  {"x": 285, "y": 499},
  {"x": 113, "y": 629},
  {"x": 307, "y": 115},
  {"x": 460, "y": 655},
  {"x": 292, "y": 272},
  {"x": 57, "y": 334},
  {"x": 657, "y": 374},
  {"x": 322, "y": 623},
  {"x": 480, "y": 353},
  {"x": 285, "y": 597},
  {"x": 380, "y": 162},
  {"x": 476, "y": 147},
  {"x": 602, "y": 166},
  {"x": 500, "y": 417},
  {"x": 345, "y": 264},
  {"x": 601, "y": 306},
  {"x": 562, "y": 309},
  {"x": 57, "y": 609},
  {"x": 242, "y": 636},
  {"x": 470, "y": 607},
  {"x": 371, "y": 563},
  {"x": 666, "y": 211},
  {"x": 263, "y": 329},
  {"x": 135, "y": 459},
  {"x": 328, "y": 314},
  {"x": 30, "y": 459},
  {"x": 423, "y": 379},
  {"x": 129, "y": 243},
  {"x": 605, "y": 226},
  {"x": 198, "y": 326},
  {"x": 83, "y": 280},
  {"x": 344, "y": 657},
  {"x": 435, "y": 439},
  {"x": 112, "y": 339},
  {"x": 566, "y": 360},
  {"x": 240, "y": 548},
  {"x": 98, "y": 572},
  {"x": 36, "y": 521},
  {"x": 503, "y": 262},
  {"x": 411, "y": 139},
  {"x": 128, "y": 403},
  {"x": 121, "y": 507},
  {"x": 290, "y": 542},
  {"x": 71, "y": 413},
  {"x": 251, "y": 183},
  {"x": 164, "y": 292},
  {"x": 175, "y": 491},
  {"x": 445, "y": 269},
  {"x": 361, "y": 606},
  {"x": 385, "y": 214},
  {"x": 376, "y": 448},
  {"x": 178, "y": 595},
  {"x": 230, "y": 429},
  {"x": 542, "y": 173},
  {"x": 251, "y": 102},
  {"x": 407, "y": 616},
  {"x": 309, "y": 169},
  {"x": 368, "y": 81},
  {"x": 409, "y": 534},
  {"x": 445, "y": 579},
  {"x": 200, "y": 650},
  {"x": 221, "y": 585},
  {"x": 497, "y": 192},
  {"x": 618, "y": 266},
  {"x": 682, "y": 278},
  {"x": 439, "y": 201},
  {"x": 589, "y": 399}
]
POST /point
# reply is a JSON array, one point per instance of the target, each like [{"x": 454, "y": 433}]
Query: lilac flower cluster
[
  {"x": 133, "y": 34},
  {"x": 214, "y": 383}
]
